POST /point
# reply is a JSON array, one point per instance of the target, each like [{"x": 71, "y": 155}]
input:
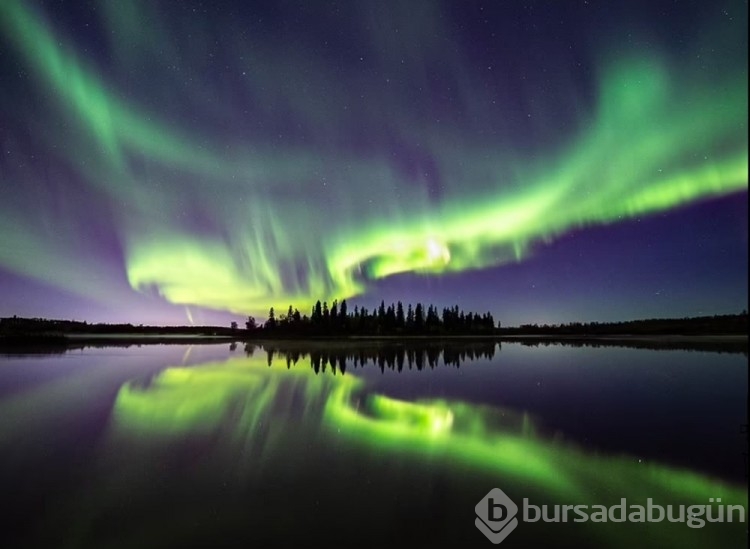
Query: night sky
[{"x": 177, "y": 162}]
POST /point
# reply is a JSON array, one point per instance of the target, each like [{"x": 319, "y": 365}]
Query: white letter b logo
[{"x": 496, "y": 515}]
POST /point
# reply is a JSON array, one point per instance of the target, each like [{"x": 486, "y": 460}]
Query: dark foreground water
[{"x": 368, "y": 444}]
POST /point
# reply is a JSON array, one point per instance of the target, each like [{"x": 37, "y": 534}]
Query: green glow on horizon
[{"x": 658, "y": 137}]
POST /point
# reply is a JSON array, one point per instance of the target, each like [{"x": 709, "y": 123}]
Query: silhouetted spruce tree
[
  {"x": 419, "y": 317},
  {"x": 362, "y": 321},
  {"x": 343, "y": 317},
  {"x": 334, "y": 312},
  {"x": 271, "y": 322},
  {"x": 317, "y": 314},
  {"x": 390, "y": 319},
  {"x": 431, "y": 321},
  {"x": 354, "y": 322},
  {"x": 489, "y": 322},
  {"x": 400, "y": 320}
]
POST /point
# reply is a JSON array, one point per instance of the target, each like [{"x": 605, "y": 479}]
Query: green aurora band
[
  {"x": 657, "y": 137},
  {"x": 254, "y": 411}
]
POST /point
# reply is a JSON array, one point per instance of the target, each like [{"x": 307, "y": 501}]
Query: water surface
[{"x": 365, "y": 443}]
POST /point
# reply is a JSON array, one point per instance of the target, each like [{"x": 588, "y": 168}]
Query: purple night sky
[{"x": 167, "y": 163}]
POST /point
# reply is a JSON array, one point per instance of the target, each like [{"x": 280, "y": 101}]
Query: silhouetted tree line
[
  {"x": 393, "y": 319},
  {"x": 391, "y": 357},
  {"x": 13, "y": 326},
  {"x": 703, "y": 325}
]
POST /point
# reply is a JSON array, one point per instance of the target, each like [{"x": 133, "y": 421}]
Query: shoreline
[
  {"x": 29, "y": 343},
  {"x": 78, "y": 337}
]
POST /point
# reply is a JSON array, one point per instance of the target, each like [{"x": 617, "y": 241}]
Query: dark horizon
[{"x": 735, "y": 320}]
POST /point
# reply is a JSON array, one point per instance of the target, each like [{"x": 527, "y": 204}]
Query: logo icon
[{"x": 496, "y": 515}]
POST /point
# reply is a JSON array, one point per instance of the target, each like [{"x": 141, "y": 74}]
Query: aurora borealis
[
  {"x": 237, "y": 398},
  {"x": 257, "y": 416},
  {"x": 168, "y": 159},
  {"x": 170, "y": 445}
]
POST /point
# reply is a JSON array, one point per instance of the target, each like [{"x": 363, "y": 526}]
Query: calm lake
[{"x": 367, "y": 444}]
